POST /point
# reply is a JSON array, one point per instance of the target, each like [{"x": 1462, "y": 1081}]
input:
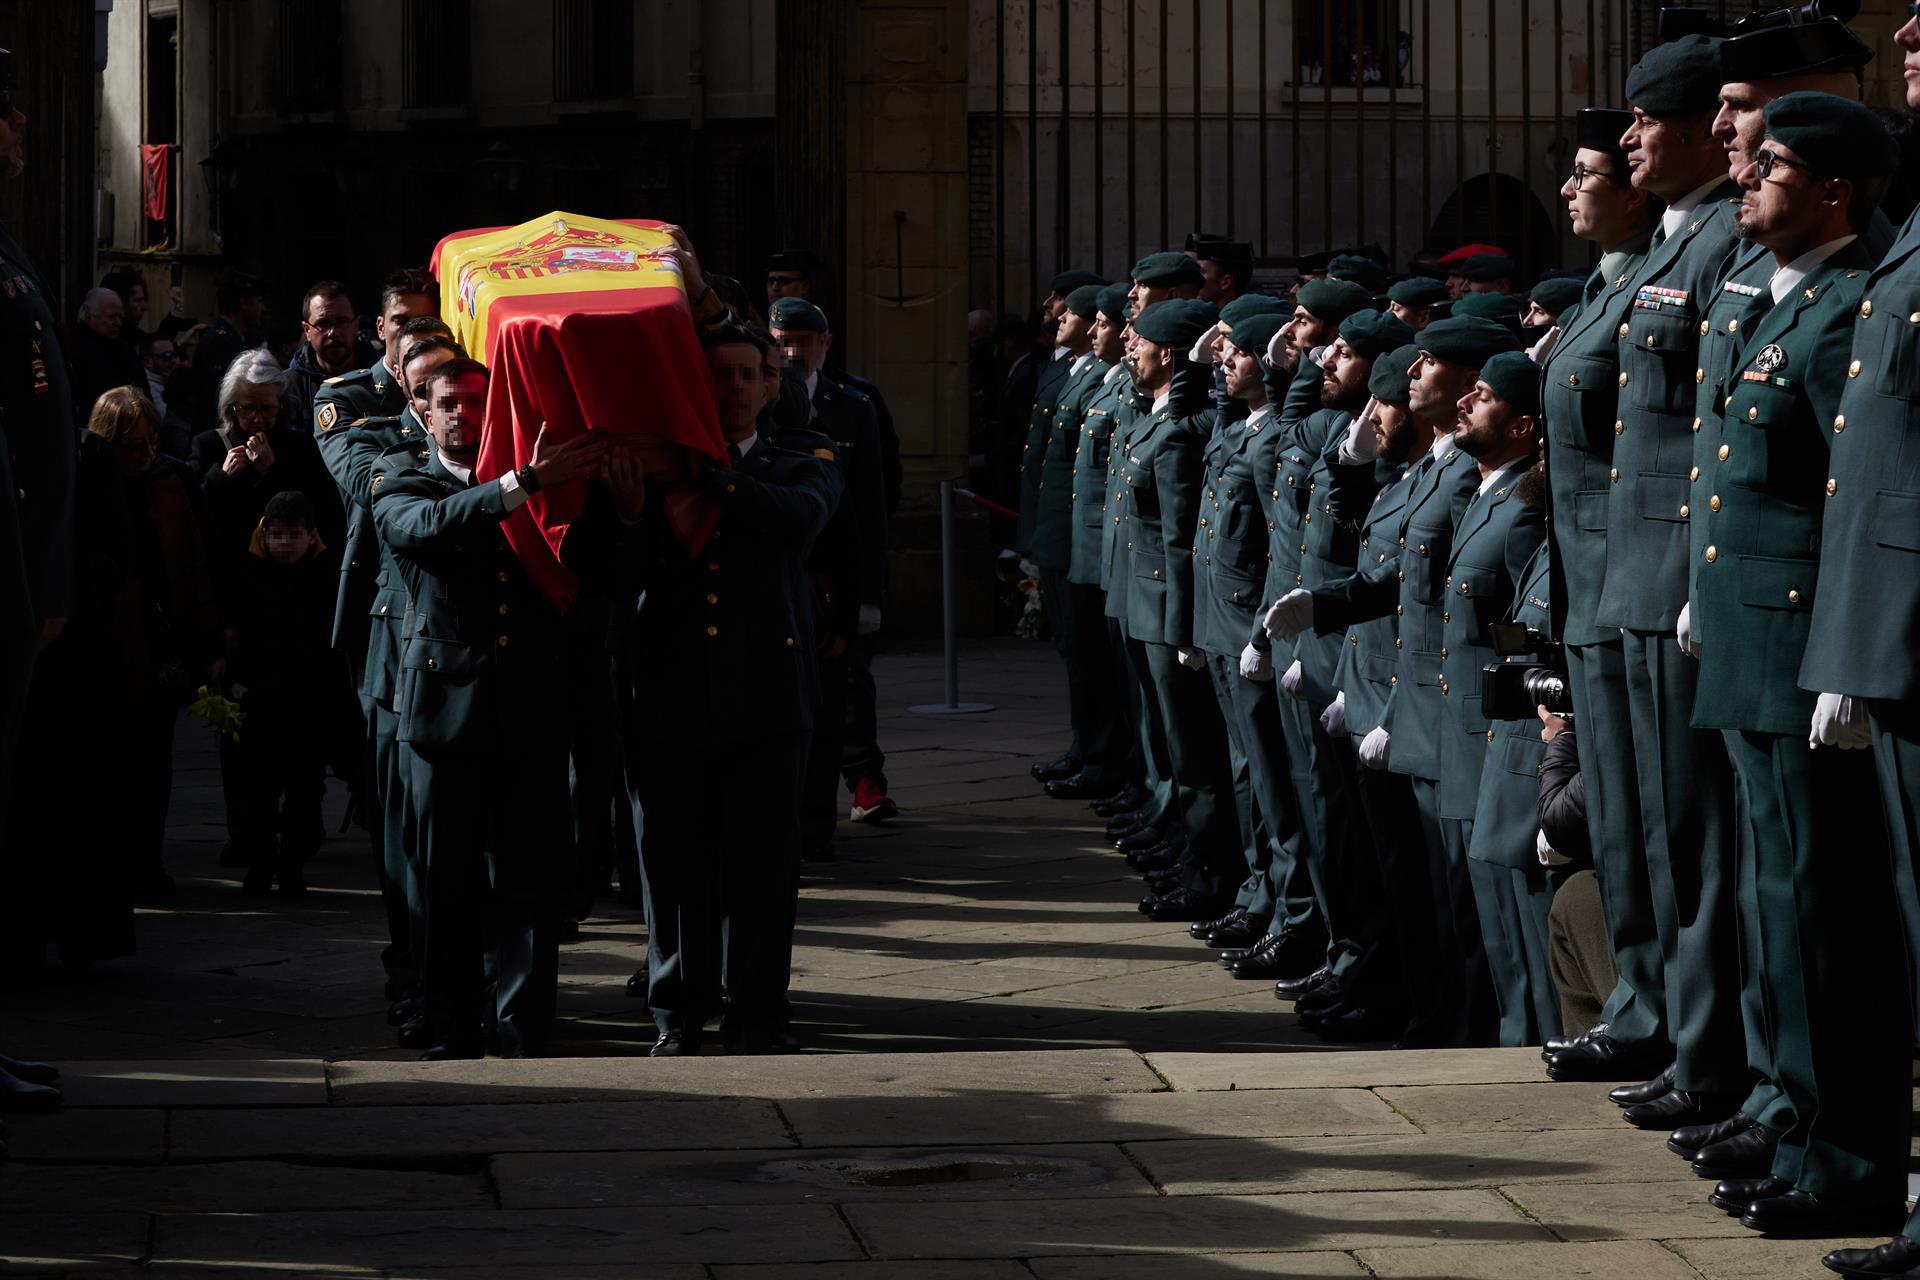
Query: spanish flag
[{"x": 584, "y": 325}]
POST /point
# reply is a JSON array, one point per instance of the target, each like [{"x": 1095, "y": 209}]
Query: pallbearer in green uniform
[
  {"x": 1818, "y": 858},
  {"x": 1051, "y": 545},
  {"x": 1493, "y": 551},
  {"x": 1682, "y": 777}
]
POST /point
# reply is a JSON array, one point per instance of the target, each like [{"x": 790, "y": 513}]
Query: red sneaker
[{"x": 870, "y": 803}]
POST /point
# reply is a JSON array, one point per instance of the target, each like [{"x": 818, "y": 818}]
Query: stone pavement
[{"x": 1015, "y": 1075}]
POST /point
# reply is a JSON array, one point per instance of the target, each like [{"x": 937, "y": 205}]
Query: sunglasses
[{"x": 1766, "y": 160}]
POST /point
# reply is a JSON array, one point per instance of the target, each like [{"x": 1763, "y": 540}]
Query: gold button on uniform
[
  {"x": 1713, "y": 503},
  {"x": 1703, "y": 328},
  {"x": 1696, "y": 424},
  {"x": 1839, "y": 423},
  {"x": 1713, "y": 553},
  {"x": 1793, "y": 596},
  {"x": 501, "y": 576},
  {"x": 1753, "y": 412},
  {"x": 1614, "y": 475},
  {"x": 1694, "y": 474},
  {"x": 503, "y": 610},
  {"x": 1833, "y": 487},
  {"x": 1573, "y": 379},
  {"x": 1853, "y": 370},
  {"x": 1699, "y": 375},
  {"x": 1684, "y": 511},
  {"x": 1866, "y": 308},
  {"x": 713, "y": 599},
  {"x": 713, "y": 631},
  {"x": 1724, "y": 451},
  {"x": 1733, "y": 326},
  {"x": 1623, "y": 378},
  {"x": 1619, "y": 427},
  {"x": 1623, "y": 330},
  {"x": 502, "y": 642}
]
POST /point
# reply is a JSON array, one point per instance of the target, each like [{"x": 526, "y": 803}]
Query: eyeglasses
[
  {"x": 332, "y": 322},
  {"x": 1765, "y": 159},
  {"x": 257, "y": 410},
  {"x": 1581, "y": 173}
]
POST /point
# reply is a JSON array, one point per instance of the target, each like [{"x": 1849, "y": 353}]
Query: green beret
[
  {"x": 1067, "y": 281},
  {"x": 1370, "y": 334},
  {"x": 1085, "y": 300},
  {"x": 1113, "y": 303},
  {"x": 1332, "y": 300},
  {"x": 798, "y": 315},
  {"x": 1362, "y": 271},
  {"x": 1555, "y": 296},
  {"x": 1254, "y": 304},
  {"x": 1482, "y": 268},
  {"x": 1506, "y": 308},
  {"x": 1679, "y": 78},
  {"x": 1158, "y": 270},
  {"x": 1254, "y": 333},
  {"x": 1176, "y": 322},
  {"x": 1388, "y": 383},
  {"x": 1515, "y": 379},
  {"x": 1466, "y": 340},
  {"x": 1838, "y": 137},
  {"x": 1419, "y": 291}
]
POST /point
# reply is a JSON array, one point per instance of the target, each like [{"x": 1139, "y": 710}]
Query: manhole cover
[{"x": 936, "y": 1168}]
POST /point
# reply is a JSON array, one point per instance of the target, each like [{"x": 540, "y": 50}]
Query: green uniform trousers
[
  {"x": 1256, "y": 841},
  {"x": 1286, "y": 887},
  {"x": 1513, "y": 904},
  {"x": 1456, "y": 922},
  {"x": 1186, "y": 721},
  {"x": 1148, "y": 748},
  {"x": 400, "y": 890},
  {"x": 1828, "y": 941}
]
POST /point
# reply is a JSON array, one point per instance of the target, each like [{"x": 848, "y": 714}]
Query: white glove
[
  {"x": 1840, "y": 721},
  {"x": 1290, "y": 615},
  {"x": 869, "y": 619},
  {"x": 1683, "y": 627},
  {"x": 1319, "y": 355},
  {"x": 1192, "y": 659},
  {"x": 1334, "y": 718},
  {"x": 1256, "y": 665},
  {"x": 1548, "y": 855},
  {"x": 1277, "y": 350},
  {"x": 1203, "y": 352},
  {"x": 1363, "y": 444},
  {"x": 1373, "y": 749},
  {"x": 1293, "y": 682}
]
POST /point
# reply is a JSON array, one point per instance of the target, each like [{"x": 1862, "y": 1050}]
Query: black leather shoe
[
  {"x": 1243, "y": 932},
  {"x": 1127, "y": 798},
  {"x": 1292, "y": 957},
  {"x": 1159, "y": 858},
  {"x": 1181, "y": 904},
  {"x": 1126, "y": 823},
  {"x": 1681, "y": 1106},
  {"x": 1800, "y": 1215},
  {"x": 1228, "y": 959},
  {"x": 1294, "y": 988},
  {"x": 1076, "y": 787},
  {"x": 1631, "y": 1095},
  {"x": 31, "y": 1072},
  {"x": 1687, "y": 1140},
  {"x": 1601, "y": 1058},
  {"x": 1064, "y": 767},
  {"x": 1165, "y": 880},
  {"x": 453, "y": 1050},
  {"x": 1555, "y": 1044},
  {"x": 415, "y": 1033},
  {"x": 1144, "y": 838},
  {"x": 1357, "y": 1024},
  {"x": 1735, "y": 1194},
  {"x": 1747, "y": 1154},
  {"x": 675, "y": 1044},
  {"x": 25, "y": 1095},
  {"x": 638, "y": 985},
  {"x": 1897, "y": 1257},
  {"x": 1325, "y": 999},
  {"x": 1199, "y": 929}
]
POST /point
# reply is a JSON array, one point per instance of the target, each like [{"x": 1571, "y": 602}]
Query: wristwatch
[{"x": 528, "y": 479}]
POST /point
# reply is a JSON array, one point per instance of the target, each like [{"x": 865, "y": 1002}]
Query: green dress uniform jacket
[
  {"x": 1492, "y": 548},
  {"x": 1130, "y": 409},
  {"x": 851, "y": 552},
  {"x": 1046, "y": 402},
  {"x": 1659, "y": 347},
  {"x": 1507, "y": 816},
  {"x": 1759, "y": 571},
  {"x": 339, "y": 404},
  {"x": 1580, "y": 396},
  {"x": 1369, "y": 656},
  {"x": 1091, "y": 459},
  {"x": 1742, "y": 299},
  {"x": 1052, "y": 542},
  {"x": 1230, "y": 573},
  {"x": 1338, "y": 499},
  {"x": 1160, "y": 466}
]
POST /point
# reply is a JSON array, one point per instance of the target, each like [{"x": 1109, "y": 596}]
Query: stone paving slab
[
  {"x": 1365, "y": 1069},
  {"x": 1091, "y": 1071},
  {"x": 1188, "y": 1224},
  {"x": 1496, "y": 1108},
  {"x": 347, "y": 1133},
  {"x": 1753, "y": 1257},
  {"x": 34, "y": 1243},
  {"x": 1672, "y": 1210},
  {"x": 284, "y": 1083},
  {"x": 506, "y": 1238},
  {"x": 1401, "y": 1162},
  {"x": 1610, "y": 1260},
  {"x": 236, "y": 1186},
  {"x": 1081, "y": 1118},
  {"x": 973, "y": 1269},
  {"x": 123, "y": 1137},
  {"x": 1199, "y": 1266},
  {"x": 597, "y": 1179}
]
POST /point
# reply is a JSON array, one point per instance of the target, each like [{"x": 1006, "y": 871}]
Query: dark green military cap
[
  {"x": 1176, "y": 322},
  {"x": 1505, "y": 308},
  {"x": 1418, "y": 291},
  {"x": 1254, "y": 304},
  {"x": 1466, "y": 340},
  {"x": 1821, "y": 47},
  {"x": 1254, "y": 333},
  {"x": 1515, "y": 379},
  {"x": 1555, "y": 296},
  {"x": 1158, "y": 270},
  {"x": 1837, "y": 137},
  {"x": 1388, "y": 382},
  {"x": 1085, "y": 300},
  {"x": 1370, "y": 334},
  {"x": 1362, "y": 271},
  {"x": 1113, "y": 303},
  {"x": 798, "y": 315},
  {"x": 1679, "y": 78},
  {"x": 1332, "y": 300},
  {"x": 1067, "y": 281},
  {"x": 1484, "y": 267}
]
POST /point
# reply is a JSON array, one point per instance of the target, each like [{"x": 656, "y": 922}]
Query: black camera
[{"x": 1512, "y": 690}]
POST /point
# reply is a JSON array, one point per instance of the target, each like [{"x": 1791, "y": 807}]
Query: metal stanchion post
[{"x": 949, "y": 616}]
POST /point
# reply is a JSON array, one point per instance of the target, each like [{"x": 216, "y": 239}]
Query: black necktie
[
  {"x": 733, "y": 454},
  {"x": 1595, "y": 283}
]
